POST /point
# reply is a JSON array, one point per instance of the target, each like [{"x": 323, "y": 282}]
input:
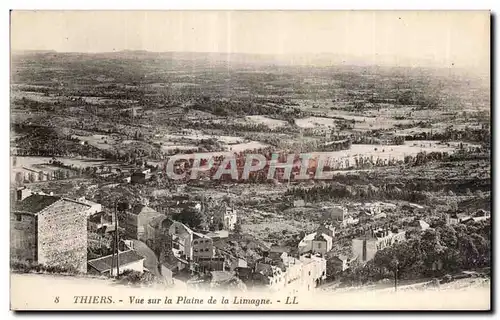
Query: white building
[
  {"x": 316, "y": 243},
  {"x": 297, "y": 275},
  {"x": 229, "y": 218},
  {"x": 367, "y": 246},
  {"x": 182, "y": 238},
  {"x": 313, "y": 271},
  {"x": 189, "y": 245}
]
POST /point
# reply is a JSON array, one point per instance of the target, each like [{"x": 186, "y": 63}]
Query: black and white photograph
[{"x": 250, "y": 160}]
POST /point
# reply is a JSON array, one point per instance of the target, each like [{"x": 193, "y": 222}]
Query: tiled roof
[
  {"x": 96, "y": 217},
  {"x": 104, "y": 263},
  {"x": 36, "y": 203},
  {"x": 264, "y": 268},
  {"x": 279, "y": 249},
  {"x": 157, "y": 221}
]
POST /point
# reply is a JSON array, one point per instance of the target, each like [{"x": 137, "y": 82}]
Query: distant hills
[{"x": 282, "y": 60}]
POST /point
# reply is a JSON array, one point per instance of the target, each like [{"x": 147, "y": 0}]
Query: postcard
[{"x": 250, "y": 160}]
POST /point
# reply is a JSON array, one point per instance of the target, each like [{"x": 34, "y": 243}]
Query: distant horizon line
[{"x": 366, "y": 63}]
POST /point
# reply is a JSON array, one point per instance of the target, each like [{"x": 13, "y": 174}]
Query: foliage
[
  {"x": 190, "y": 217},
  {"x": 459, "y": 247},
  {"x": 27, "y": 267},
  {"x": 132, "y": 277}
]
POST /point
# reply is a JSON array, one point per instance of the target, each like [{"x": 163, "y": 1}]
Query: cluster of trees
[
  {"x": 223, "y": 108},
  {"x": 45, "y": 141},
  {"x": 32, "y": 177},
  {"x": 482, "y": 135},
  {"x": 132, "y": 277},
  {"x": 190, "y": 217},
  {"x": 423, "y": 157},
  {"x": 232, "y": 128},
  {"x": 417, "y": 98},
  {"x": 444, "y": 249},
  {"x": 336, "y": 191}
]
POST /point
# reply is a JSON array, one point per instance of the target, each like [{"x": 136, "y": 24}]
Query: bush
[
  {"x": 132, "y": 277},
  {"x": 27, "y": 267}
]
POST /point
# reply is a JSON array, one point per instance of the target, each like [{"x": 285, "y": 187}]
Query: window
[
  {"x": 19, "y": 217},
  {"x": 309, "y": 272},
  {"x": 195, "y": 242}
]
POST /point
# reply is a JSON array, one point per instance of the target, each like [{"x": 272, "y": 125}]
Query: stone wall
[
  {"x": 62, "y": 235},
  {"x": 23, "y": 237}
]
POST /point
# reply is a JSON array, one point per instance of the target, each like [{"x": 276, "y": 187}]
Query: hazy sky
[{"x": 389, "y": 37}]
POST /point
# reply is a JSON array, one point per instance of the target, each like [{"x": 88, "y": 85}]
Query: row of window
[
  {"x": 201, "y": 250},
  {"x": 201, "y": 241}
]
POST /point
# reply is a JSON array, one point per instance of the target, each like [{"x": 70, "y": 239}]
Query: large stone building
[
  {"x": 50, "y": 230},
  {"x": 365, "y": 247},
  {"x": 319, "y": 242},
  {"x": 190, "y": 245},
  {"x": 334, "y": 214},
  {"x": 288, "y": 274},
  {"x": 136, "y": 221}
]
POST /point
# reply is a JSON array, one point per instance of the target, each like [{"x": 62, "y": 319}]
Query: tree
[
  {"x": 237, "y": 227},
  {"x": 479, "y": 194},
  {"x": 190, "y": 217}
]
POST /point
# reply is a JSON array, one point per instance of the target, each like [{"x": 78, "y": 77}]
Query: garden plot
[
  {"x": 100, "y": 141},
  {"x": 387, "y": 152},
  {"x": 247, "y": 146},
  {"x": 271, "y": 123},
  {"x": 33, "y": 96},
  {"x": 313, "y": 122}
]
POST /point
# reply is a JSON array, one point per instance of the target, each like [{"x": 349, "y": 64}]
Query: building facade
[
  {"x": 135, "y": 221},
  {"x": 51, "y": 231},
  {"x": 367, "y": 246}
]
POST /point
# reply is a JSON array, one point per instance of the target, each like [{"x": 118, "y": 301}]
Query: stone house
[
  {"x": 203, "y": 246},
  {"x": 334, "y": 214},
  {"x": 365, "y": 247},
  {"x": 50, "y": 230},
  {"x": 136, "y": 220},
  {"x": 320, "y": 241}
]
